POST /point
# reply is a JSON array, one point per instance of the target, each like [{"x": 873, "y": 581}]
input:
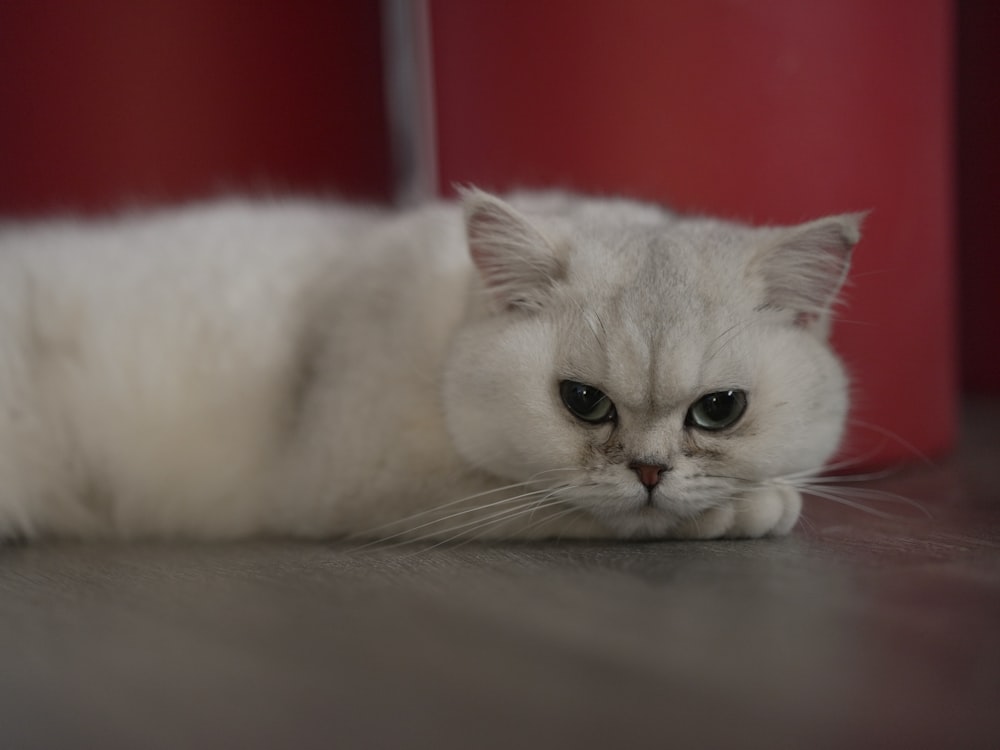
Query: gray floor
[{"x": 857, "y": 631}]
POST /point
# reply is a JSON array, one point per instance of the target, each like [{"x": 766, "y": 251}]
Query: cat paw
[{"x": 770, "y": 511}]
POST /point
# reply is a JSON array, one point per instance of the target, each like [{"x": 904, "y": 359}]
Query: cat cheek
[
  {"x": 594, "y": 454},
  {"x": 701, "y": 448}
]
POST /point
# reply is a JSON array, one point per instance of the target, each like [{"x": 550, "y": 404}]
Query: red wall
[
  {"x": 112, "y": 101},
  {"x": 774, "y": 111}
]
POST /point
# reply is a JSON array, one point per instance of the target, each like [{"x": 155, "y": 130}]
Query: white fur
[{"x": 316, "y": 369}]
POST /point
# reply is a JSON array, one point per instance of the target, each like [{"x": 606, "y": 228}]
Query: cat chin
[
  {"x": 642, "y": 523},
  {"x": 632, "y": 517}
]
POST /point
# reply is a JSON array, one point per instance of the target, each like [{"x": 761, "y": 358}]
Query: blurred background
[{"x": 766, "y": 111}]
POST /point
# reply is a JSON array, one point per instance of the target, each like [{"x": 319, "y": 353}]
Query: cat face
[{"x": 646, "y": 368}]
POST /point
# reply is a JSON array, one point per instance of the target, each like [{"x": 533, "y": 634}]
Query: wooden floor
[{"x": 858, "y": 631}]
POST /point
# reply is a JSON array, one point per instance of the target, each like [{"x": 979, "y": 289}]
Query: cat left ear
[
  {"x": 517, "y": 262},
  {"x": 805, "y": 268}
]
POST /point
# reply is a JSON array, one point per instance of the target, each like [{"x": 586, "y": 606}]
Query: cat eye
[
  {"x": 586, "y": 402},
  {"x": 717, "y": 411}
]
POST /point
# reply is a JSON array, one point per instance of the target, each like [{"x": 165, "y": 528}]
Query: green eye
[
  {"x": 717, "y": 411},
  {"x": 586, "y": 402}
]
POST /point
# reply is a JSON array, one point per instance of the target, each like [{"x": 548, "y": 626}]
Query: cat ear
[
  {"x": 517, "y": 263},
  {"x": 805, "y": 267}
]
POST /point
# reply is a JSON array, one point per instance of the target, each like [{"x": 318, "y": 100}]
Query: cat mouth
[
  {"x": 650, "y": 501},
  {"x": 642, "y": 514},
  {"x": 645, "y": 505},
  {"x": 633, "y": 511},
  {"x": 644, "y": 520}
]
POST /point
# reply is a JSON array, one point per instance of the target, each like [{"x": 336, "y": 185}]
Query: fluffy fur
[{"x": 314, "y": 369}]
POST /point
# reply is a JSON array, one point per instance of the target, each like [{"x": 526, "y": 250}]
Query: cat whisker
[
  {"x": 852, "y": 497},
  {"x": 440, "y": 536},
  {"x": 534, "y": 479},
  {"x": 405, "y": 535},
  {"x": 841, "y": 465},
  {"x": 872, "y": 476},
  {"x": 816, "y": 492},
  {"x": 864, "y": 493},
  {"x": 820, "y": 473},
  {"x": 443, "y": 519},
  {"x": 569, "y": 510},
  {"x": 894, "y": 437},
  {"x": 468, "y": 530},
  {"x": 478, "y": 530},
  {"x": 809, "y": 525},
  {"x": 744, "y": 482},
  {"x": 833, "y": 488}
]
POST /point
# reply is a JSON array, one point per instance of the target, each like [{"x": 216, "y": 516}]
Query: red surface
[
  {"x": 775, "y": 110},
  {"x": 979, "y": 192},
  {"x": 117, "y": 101}
]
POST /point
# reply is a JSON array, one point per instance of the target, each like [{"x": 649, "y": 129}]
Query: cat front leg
[{"x": 768, "y": 511}]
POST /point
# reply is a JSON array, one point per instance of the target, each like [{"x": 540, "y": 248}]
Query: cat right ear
[
  {"x": 806, "y": 268},
  {"x": 516, "y": 262}
]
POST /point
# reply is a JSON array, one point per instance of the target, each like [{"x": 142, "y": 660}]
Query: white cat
[{"x": 550, "y": 365}]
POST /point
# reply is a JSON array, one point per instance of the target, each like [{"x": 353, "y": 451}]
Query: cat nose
[{"x": 649, "y": 474}]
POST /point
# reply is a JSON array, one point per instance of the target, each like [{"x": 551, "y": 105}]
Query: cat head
[{"x": 645, "y": 366}]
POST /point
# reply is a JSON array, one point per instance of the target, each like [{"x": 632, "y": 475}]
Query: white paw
[{"x": 771, "y": 511}]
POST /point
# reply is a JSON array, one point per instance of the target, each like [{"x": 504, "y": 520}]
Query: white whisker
[
  {"x": 867, "y": 493},
  {"x": 477, "y": 531},
  {"x": 871, "y": 476},
  {"x": 467, "y": 530},
  {"x": 833, "y": 488},
  {"x": 890, "y": 435},
  {"x": 810, "y": 526},
  {"x": 553, "y": 517},
  {"x": 816, "y": 492},
  {"x": 438, "y": 535},
  {"x": 435, "y": 521},
  {"x": 533, "y": 479}
]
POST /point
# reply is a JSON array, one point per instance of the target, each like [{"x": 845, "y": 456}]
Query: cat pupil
[{"x": 586, "y": 402}]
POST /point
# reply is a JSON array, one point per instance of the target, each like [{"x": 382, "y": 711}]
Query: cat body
[{"x": 317, "y": 369}]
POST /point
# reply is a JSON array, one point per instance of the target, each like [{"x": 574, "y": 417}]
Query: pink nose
[{"x": 649, "y": 474}]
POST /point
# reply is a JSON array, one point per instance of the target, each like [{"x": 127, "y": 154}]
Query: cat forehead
[
  {"x": 651, "y": 310},
  {"x": 613, "y": 236},
  {"x": 673, "y": 270},
  {"x": 649, "y": 252},
  {"x": 654, "y": 356}
]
